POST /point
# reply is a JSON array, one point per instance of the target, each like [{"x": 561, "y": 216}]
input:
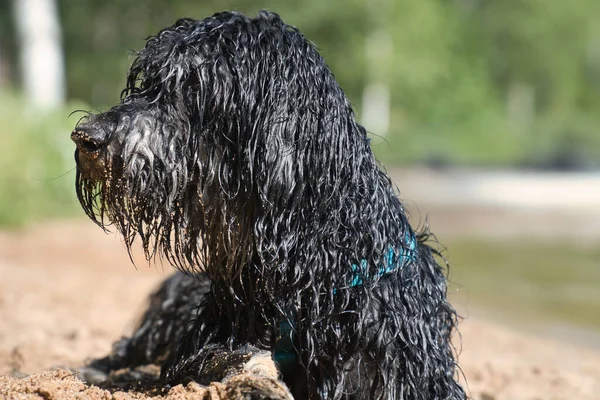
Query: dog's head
[
  {"x": 215, "y": 118},
  {"x": 233, "y": 141}
]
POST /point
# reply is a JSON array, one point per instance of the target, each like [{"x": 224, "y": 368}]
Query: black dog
[{"x": 235, "y": 155}]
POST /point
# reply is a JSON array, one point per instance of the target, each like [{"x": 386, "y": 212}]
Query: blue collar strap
[{"x": 392, "y": 261}]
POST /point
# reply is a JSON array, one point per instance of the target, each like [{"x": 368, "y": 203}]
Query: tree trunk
[{"x": 41, "y": 56}]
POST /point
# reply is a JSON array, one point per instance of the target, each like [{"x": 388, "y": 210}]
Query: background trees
[{"x": 474, "y": 82}]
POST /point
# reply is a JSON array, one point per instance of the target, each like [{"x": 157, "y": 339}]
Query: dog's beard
[
  {"x": 178, "y": 213},
  {"x": 135, "y": 198},
  {"x": 111, "y": 200}
]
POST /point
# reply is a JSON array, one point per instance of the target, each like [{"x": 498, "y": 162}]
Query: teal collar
[{"x": 392, "y": 261}]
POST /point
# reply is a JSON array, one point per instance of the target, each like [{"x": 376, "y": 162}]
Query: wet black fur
[{"x": 235, "y": 155}]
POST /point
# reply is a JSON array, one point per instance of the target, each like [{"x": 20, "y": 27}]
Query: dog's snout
[
  {"x": 87, "y": 140},
  {"x": 94, "y": 132}
]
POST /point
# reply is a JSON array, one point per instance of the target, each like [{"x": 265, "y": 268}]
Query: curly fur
[{"x": 235, "y": 155}]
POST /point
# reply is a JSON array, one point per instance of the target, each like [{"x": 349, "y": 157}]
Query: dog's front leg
[{"x": 245, "y": 373}]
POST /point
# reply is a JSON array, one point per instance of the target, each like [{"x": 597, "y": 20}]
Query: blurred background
[{"x": 485, "y": 112}]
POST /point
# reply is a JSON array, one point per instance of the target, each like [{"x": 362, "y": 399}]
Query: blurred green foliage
[
  {"x": 36, "y": 160},
  {"x": 476, "y": 82},
  {"x": 472, "y": 82}
]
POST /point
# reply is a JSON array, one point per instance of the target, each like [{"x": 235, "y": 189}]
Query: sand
[{"x": 67, "y": 291}]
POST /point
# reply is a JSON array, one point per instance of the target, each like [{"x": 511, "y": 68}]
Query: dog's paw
[
  {"x": 249, "y": 386},
  {"x": 256, "y": 380}
]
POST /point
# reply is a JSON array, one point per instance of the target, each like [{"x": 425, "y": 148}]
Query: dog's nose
[{"x": 88, "y": 140}]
